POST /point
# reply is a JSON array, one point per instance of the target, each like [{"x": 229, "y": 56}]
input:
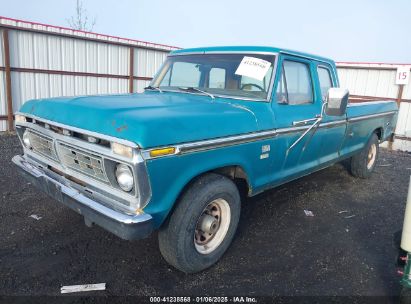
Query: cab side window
[
  {"x": 295, "y": 84},
  {"x": 325, "y": 79}
]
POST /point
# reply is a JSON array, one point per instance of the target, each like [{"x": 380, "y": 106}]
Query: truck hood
[{"x": 150, "y": 119}]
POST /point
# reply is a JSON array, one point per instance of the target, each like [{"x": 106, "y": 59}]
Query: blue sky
[{"x": 349, "y": 30}]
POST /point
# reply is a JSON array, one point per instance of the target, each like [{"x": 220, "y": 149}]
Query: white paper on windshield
[{"x": 253, "y": 67}]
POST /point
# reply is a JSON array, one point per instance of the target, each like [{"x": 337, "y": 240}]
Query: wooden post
[
  {"x": 399, "y": 98},
  {"x": 10, "y": 126},
  {"x": 399, "y": 95},
  {"x": 131, "y": 73}
]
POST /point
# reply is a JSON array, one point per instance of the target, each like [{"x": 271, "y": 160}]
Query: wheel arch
[
  {"x": 236, "y": 173},
  {"x": 379, "y": 132}
]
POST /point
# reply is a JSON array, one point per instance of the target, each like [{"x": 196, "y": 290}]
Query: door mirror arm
[
  {"x": 323, "y": 107},
  {"x": 335, "y": 105}
]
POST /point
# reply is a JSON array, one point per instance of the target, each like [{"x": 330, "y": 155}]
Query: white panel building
[
  {"x": 376, "y": 81},
  {"x": 47, "y": 61}
]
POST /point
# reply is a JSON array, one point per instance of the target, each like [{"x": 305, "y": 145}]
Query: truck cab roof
[{"x": 250, "y": 49}]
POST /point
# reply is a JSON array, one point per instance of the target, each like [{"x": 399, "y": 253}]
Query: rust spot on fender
[{"x": 123, "y": 127}]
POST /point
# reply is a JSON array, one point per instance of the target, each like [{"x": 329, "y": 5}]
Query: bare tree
[{"x": 80, "y": 21}]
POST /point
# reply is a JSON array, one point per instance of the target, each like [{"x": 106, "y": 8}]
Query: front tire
[
  {"x": 363, "y": 164},
  {"x": 202, "y": 225}
]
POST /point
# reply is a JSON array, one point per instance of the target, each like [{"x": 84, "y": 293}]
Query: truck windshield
[{"x": 231, "y": 75}]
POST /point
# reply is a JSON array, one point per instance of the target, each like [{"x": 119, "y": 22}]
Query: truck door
[
  {"x": 332, "y": 129},
  {"x": 296, "y": 106}
]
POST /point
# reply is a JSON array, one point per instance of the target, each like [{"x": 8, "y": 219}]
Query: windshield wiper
[
  {"x": 153, "y": 88},
  {"x": 196, "y": 90}
]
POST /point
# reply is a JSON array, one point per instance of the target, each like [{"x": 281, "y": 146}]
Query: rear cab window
[{"x": 325, "y": 80}]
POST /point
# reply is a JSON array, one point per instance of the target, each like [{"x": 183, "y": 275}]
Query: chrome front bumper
[{"x": 125, "y": 226}]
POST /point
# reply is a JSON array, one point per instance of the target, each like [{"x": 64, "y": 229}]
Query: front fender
[{"x": 169, "y": 175}]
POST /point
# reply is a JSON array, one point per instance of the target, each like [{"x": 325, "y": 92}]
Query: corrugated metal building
[
  {"x": 46, "y": 61},
  {"x": 373, "y": 81},
  {"x": 40, "y": 61}
]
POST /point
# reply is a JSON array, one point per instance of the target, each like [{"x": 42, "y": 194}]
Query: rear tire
[
  {"x": 363, "y": 164},
  {"x": 203, "y": 224}
]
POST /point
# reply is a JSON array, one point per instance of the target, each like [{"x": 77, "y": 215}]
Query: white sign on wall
[{"x": 403, "y": 75}]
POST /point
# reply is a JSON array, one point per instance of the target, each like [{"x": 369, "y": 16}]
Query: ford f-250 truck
[{"x": 173, "y": 158}]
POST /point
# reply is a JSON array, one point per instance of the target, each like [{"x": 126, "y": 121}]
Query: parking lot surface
[{"x": 346, "y": 248}]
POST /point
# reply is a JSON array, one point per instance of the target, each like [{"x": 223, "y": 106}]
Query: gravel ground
[{"x": 345, "y": 249}]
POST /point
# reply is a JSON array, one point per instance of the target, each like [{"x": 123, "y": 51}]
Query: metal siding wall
[
  {"x": 28, "y": 86},
  {"x": 365, "y": 82},
  {"x": 41, "y": 51},
  {"x": 3, "y": 107},
  {"x": 1, "y": 48},
  {"x": 44, "y": 51},
  {"x": 139, "y": 85},
  {"x": 404, "y": 120},
  {"x": 406, "y": 94},
  {"x": 379, "y": 83},
  {"x": 147, "y": 62},
  {"x": 3, "y": 102}
]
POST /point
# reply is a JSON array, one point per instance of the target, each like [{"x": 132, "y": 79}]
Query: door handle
[
  {"x": 304, "y": 122},
  {"x": 314, "y": 125}
]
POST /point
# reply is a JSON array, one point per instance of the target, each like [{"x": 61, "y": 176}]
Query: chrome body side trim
[
  {"x": 252, "y": 137},
  {"x": 364, "y": 117},
  {"x": 227, "y": 141},
  {"x": 358, "y": 104},
  {"x": 235, "y": 140},
  {"x": 289, "y": 130},
  {"x": 333, "y": 123},
  {"x": 304, "y": 122}
]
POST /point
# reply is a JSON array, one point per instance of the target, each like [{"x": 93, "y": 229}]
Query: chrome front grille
[
  {"x": 88, "y": 167},
  {"x": 68, "y": 156},
  {"x": 81, "y": 161},
  {"x": 43, "y": 145}
]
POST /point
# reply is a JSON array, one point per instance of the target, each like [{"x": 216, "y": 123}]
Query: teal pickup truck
[{"x": 174, "y": 158}]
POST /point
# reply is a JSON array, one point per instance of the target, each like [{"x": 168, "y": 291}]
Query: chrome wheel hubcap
[
  {"x": 372, "y": 154},
  {"x": 212, "y": 226}
]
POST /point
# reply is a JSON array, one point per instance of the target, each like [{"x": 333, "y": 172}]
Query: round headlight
[
  {"x": 124, "y": 177},
  {"x": 26, "y": 139}
]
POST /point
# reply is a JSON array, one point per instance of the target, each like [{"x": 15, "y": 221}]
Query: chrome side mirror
[{"x": 337, "y": 100}]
